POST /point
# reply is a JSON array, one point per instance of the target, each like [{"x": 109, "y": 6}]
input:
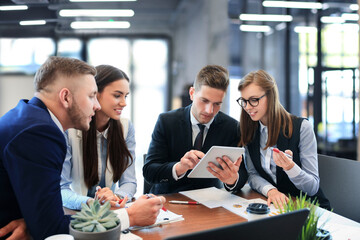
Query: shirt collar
[
  {"x": 56, "y": 121},
  {"x": 262, "y": 127},
  {"x": 196, "y": 122},
  {"x": 103, "y": 133}
]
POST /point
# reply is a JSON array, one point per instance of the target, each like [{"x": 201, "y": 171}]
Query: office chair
[
  {"x": 147, "y": 185},
  {"x": 340, "y": 179}
]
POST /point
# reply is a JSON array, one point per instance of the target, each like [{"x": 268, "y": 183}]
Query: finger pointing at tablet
[{"x": 188, "y": 161}]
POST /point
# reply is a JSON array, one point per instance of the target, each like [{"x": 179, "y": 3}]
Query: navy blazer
[
  {"x": 32, "y": 152},
  {"x": 172, "y": 138}
]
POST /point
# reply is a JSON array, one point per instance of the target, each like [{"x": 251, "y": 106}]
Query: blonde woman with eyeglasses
[{"x": 281, "y": 149}]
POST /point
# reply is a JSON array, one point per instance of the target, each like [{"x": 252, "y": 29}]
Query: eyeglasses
[{"x": 252, "y": 101}]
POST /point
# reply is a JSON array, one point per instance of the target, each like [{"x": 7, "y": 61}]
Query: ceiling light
[
  {"x": 102, "y": 0},
  {"x": 96, "y": 13},
  {"x": 32, "y": 22},
  {"x": 305, "y": 29},
  {"x": 350, "y": 16},
  {"x": 13, "y": 7},
  {"x": 290, "y": 4},
  {"x": 328, "y": 19},
  {"x": 354, "y": 7},
  {"x": 266, "y": 17},
  {"x": 255, "y": 28},
  {"x": 99, "y": 24}
]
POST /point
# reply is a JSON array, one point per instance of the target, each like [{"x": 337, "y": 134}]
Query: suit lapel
[{"x": 185, "y": 127}]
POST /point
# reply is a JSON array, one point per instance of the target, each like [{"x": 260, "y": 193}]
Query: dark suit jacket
[
  {"x": 172, "y": 138},
  {"x": 32, "y": 151}
]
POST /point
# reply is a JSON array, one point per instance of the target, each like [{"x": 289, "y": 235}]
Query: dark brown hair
[
  {"x": 278, "y": 117},
  {"x": 60, "y": 66},
  {"x": 117, "y": 152},
  {"x": 213, "y": 76}
]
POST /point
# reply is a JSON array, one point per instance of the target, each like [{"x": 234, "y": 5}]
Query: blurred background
[{"x": 311, "y": 48}]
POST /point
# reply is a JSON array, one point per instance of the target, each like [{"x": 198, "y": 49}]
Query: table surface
[{"x": 197, "y": 217}]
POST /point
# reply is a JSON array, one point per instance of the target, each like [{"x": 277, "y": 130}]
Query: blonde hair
[
  {"x": 278, "y": 117},
  {"x": 60, "y": 66}
]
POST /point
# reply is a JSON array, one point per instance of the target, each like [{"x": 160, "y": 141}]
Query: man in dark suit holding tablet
[{"x": 182, "y": 137}]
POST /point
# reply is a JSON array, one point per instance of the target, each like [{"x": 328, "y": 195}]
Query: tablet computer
[{"x": 200, "y": 171}]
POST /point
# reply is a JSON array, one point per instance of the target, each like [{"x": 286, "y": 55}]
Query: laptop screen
[{"x": 285, "y": 226}]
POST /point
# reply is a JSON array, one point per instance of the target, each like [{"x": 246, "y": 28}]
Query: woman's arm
[
  {"x": 70, "y": 199},
  {"x": 306, "y": 178},
  {"x": 127, "y": 184}
]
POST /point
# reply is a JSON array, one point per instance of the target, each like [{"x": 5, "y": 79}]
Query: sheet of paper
[
  {"x": 211, "y": 197},
  {"x": 164, "y": 217},
  {"x": 239, "y": 207},
  {"x": 129, "y": 236}
]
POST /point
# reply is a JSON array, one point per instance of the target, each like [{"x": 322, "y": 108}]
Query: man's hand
[
  {"x": 18, "y": 230},
  {"x": 229, "y": 172},
  {"x": 282, "y": 160},
  {"x": 144, "y": 210},
  {"x": 188, "y": 161},
  {"x": 277, "y": 198}
]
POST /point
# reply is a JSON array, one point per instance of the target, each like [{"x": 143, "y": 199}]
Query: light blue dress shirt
[
  {"x": 126, "y": 184},
  {"x": 305, "y": 178}
]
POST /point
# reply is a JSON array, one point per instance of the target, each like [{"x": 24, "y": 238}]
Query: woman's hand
[
  {"x": 277, "y": 198},
  {"x": 282, "y": 160}
]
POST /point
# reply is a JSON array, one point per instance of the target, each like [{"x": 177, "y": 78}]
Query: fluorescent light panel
[
  {"x": 102, "y": 0},
  {"x": 292, "y": 4},
  {"x": 96, "y": 13},
  {"x": 99, "y": 24},
  {"x": 266, "y": 17},
  {"x": 32, "y": 22},
  {"x": 13, "y": 7},
  {"x": 328, "y": 19},
  {"x": 354, "y": 7},
  {"x": 254, "y": 28},
  {"x": 350, "y": 16},
  {"x": 305, "y": 29}
]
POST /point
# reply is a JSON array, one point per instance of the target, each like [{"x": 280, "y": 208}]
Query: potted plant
[
  {"x": 310, "y": 230},
  {"x": 95, "y": 222}
]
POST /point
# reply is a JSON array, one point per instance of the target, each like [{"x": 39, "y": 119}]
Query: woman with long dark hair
[
  {"x": 100, "y": 161},
  {"x": 281, "y": 152}
]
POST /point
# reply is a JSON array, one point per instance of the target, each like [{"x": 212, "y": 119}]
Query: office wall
[
  {"x": 12, "y": 89},
  {"x": 200, "y": 37}
]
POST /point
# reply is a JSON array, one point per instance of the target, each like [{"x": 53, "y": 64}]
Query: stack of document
[{"x": 213, "y": 197}]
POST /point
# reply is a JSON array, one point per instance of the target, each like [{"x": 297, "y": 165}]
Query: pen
[
  {"x": 278, "y": 151},
  {"x": 184, "y": 202}
]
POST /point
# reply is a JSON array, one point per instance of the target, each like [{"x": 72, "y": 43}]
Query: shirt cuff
[
  {"x": 231, "y": 188},
  {"x": 124, "y": 219},
  {"x": 266, "y": 189},
  {"x": 294, "y": 171},
  {"x": 174, "y": 173}
]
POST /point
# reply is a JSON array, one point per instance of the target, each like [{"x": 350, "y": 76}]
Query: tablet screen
[{"x": 200, "y": 171}]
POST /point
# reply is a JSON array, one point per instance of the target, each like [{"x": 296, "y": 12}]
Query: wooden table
[{"x": 197, "y": 217}]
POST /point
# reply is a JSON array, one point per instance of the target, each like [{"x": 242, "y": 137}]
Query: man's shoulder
[
  {"x": 179, "y": 113},
  {"x": 222, "y": 117}
]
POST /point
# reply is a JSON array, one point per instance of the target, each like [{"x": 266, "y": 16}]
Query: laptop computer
[{"x": 285, "y": 226}]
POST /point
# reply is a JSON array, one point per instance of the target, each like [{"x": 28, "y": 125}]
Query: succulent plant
[{"x": 95, "y": 218}]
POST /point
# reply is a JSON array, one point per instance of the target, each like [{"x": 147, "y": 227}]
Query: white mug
[{"x": 60, "y": 237}]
